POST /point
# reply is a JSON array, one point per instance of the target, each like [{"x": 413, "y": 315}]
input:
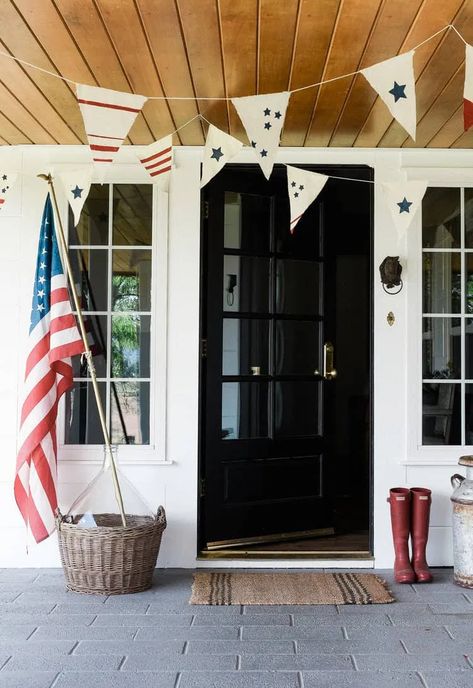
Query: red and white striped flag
[
  {"x": 157, "y": 159},
  {"x": 108, "y": 117},
  {"x": 53, "y": 338}
]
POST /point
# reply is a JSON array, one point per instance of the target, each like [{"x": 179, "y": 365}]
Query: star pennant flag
[
  {"x": 395, "y": 84},
  {"x": 108, "y": 117},
  {"x": 7, "y": 179},
  {"x": 404, "y": 200},
  {"x": 219, "y": 149},
  {"x": 263, "y": 119},
  {"x": 468, "y": 90},
  {"x": 157, "y": 159},
  {"x": 303, "y": 188},
  {"x": 76, "y": 184}
]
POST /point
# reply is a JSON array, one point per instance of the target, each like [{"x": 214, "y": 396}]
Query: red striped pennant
[{"x": 157, "y": 159}]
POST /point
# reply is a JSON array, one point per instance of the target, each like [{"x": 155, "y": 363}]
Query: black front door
[{"x": 285, "y": 373}]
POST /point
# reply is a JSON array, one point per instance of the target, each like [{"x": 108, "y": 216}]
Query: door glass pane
[
  {"x": 247, "y": 221},
  {"x": 441, "y": 282},
  {"x": 469, "y": 348},
  {"x": 96, "y": 328},
  {"x": 129, "y": 412},
  {"x": 245, "y": 346},
  {"x": 297, "y": 347},
  {"x": 469, "y": 218},
  {"x": 441, "y": 218},
  {"x": 468, "y": 414},
  {"x": 92, "y": 228},
  {"x": 246, "y": 284},
  {"x": 131, "y": 281},
  {"x": 297, "y": 287},
  {"x": 244, "y": 410},
  {"x": 132, "y": 212},
  {"x": 130, "y": 345},
  {"x": 90, "y": 270},
  {"x": 441, "y": 346},
  {"x": 82, "y": 422},
  {"x": 441, "y": 413},
  {"x": 297, "y": 409},
  {"x": 469, "y": 283}
]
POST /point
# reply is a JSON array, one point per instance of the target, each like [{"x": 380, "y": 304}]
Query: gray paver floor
[{"x": 50, "y": 638}]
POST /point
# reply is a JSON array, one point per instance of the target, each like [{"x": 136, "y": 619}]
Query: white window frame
[
  {"x": 154, "y": 453},
  {"x": 417, "y": 453}
]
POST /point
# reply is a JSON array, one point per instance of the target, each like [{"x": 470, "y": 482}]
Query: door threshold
[{"x": 278, "y": 554}]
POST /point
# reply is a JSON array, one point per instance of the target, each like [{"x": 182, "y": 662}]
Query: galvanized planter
[{"x": 462, "y": 499}]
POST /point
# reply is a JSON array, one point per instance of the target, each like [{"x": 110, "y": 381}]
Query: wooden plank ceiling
[{"x": 203, "y": 48}]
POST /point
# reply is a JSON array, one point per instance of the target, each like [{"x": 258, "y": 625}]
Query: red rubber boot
[
  {"x": 420, "y": 515},
  {"x": 400, "y": 501}
]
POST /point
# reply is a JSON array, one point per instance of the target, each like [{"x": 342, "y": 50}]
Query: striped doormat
[{"x": 289, "y": 588}]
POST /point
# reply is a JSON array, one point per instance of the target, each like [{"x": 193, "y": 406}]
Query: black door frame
[{"x": 334, "y": 171}]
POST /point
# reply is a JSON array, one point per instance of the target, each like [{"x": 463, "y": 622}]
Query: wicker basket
[{"x": 111, "y": 559}]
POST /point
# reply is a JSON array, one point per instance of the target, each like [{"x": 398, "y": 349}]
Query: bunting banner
[
  {"x": 404, "y": 199},
  {"x": 108, "y": 117},
  {"x": 157, "y": 159},
  {"x": 7, "y": 179},
  {"x": 303, "y": 188},
  {"x": 76, "y": 185},
  {"x": 219, "y": 149},
  {"x": 468, "y": 89},
  {"x": 263, "y": 119},
  {"x": 394, "y": 82}
]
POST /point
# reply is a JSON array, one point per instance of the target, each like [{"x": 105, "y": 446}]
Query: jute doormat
[{"x": 289, "y": 588}]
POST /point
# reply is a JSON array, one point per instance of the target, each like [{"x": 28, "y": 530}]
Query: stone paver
[{"x": 51, "y": 638}]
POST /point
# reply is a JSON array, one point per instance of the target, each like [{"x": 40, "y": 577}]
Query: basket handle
[{"x": 161, "y": 516}]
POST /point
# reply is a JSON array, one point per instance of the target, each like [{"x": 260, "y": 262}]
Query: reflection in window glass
[
  {"x": 132, "y": 214},
  {"x": 96, "y": 328},
  {"x": 246, "y": 284},
  {"x": 245, "y": 346},
  {"x": 469, "y": 218},
  {"x": 441, "y": 346},
  {"x": 297, "y": 287},
  {"x": 297, "y": 409},
  {"x": 129, "y": 417},
  {"x": 441, "y": 282},
  {"x": 130, "y": 345},
  {"x": 441, "y": 218},
  {"x": 247, "y": 221},
  {"x": 92, "y": 228},
  {"x": 90, "y": 270},
  {"x": 441, "y": 413},
  {"x": 131, "y": 281},
  {"x": 82, "y": 423},
  {"x": 244, "y": 410}
]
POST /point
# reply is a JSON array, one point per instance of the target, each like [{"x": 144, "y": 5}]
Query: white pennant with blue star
[
  {"x": 394, "y": 82},
  {"x": 404, "y": 199},
  {"x": 303, "y": 188},
  {"x": 219, "y": 149},
  {"x": 7, "y": 179},
  {"x": 76, "y": 185},
  {"x": 263, "y": 119}
]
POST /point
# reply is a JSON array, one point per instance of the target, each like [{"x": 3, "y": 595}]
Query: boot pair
[{"x": 410, "y": 513}]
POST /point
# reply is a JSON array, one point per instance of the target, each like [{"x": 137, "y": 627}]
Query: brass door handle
[{"x": 329, "y": 371}]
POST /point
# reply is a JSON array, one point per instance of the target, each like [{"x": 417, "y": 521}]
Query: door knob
[{"x": 329, "y": 371}]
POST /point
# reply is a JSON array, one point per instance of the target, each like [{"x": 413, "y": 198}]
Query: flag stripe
[
  {"x": 156, "y": 172},
  {"x": 156, "y": 155},
  {"x": 157, "y": 164},
  {"x": 104, "y": 149},
  {"x": 102, "y": 136},
  {"x": 111, "y": 106}
]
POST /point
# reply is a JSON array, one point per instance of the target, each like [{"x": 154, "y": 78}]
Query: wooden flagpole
[{"x": 88, "y": 353}]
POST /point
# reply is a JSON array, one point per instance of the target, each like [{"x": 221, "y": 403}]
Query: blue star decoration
[
  {"x": 263, "y": 153},
  {"x": 267, "y": 125},
  {"x": 267, "y": 112},
  {"x": 217, "y": 153},
  {"x": 301, "y": 187},
  {"x": 296, "y": 194},
  {"x": 398, "y": 91},
  {"x": 77, "y": 193},
  {"x": 277, "y": 115},
  {"x": 404, "y": 205},
  {"x": 293, "y": 183},
  {"x": 253, "y": 144}
]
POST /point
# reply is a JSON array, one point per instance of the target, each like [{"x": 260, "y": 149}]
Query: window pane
[
  {"x": 468, "y": 414},
  {"x": 246, "y": 284},
  {"x": 245, "y": 346},
  {"x": 297, "y": 347},
  {"x": 90, "y": 270},
  {"x": 130, "y": 345},
  {"x": 297, "y": 287},
  {"x": 469, "y": 218},
  {"x": 441, "y": 283},
  {"x": 244, "y": 410},
  {"x": 96, "y": 328},
  {"x": 441, "y": 413},
  {"x": 92, "y": 228},
  {"x": 132, "y": 213},
  {"x": 131, "y": 281},
  {"x": 441, "y": 218},
  {"x": 297, "y": 409},
  {"x": 469, "y": 283},
  {"x": 469, "y": 348},
  {"x": 247, "y": 222},
  {"x": 129, "y": 417},
  {"x": 82, "y": 423},
  {"x": 441, "y": 345}
]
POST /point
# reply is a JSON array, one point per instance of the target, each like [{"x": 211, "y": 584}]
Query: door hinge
[
  {"x": 203, "y": 348},
  {"x": 206, "y": 210},
  {"x": 202, "y": 487}
]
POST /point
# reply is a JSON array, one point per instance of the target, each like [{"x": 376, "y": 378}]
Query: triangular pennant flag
[
  {"x": 157, "y": 159},
  {"x": 7, "y": 179},
  {"x": 303, "y": 188},
  {"x": 395, "y": 83},
  {"x": 468, "y": 89},
  {"x": 108, "y": 117},
  {"x": 404, "y": 199},
  {"x": 219, "y": 149},
  {"x": 263, "y": 119},
  {"x": 76, "y": 185}
]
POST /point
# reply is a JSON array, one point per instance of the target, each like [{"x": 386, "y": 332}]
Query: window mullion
[{"x": 109, "y": 307}]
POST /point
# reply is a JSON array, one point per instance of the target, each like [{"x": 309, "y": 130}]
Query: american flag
[{"x": 53, "y": 338}]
